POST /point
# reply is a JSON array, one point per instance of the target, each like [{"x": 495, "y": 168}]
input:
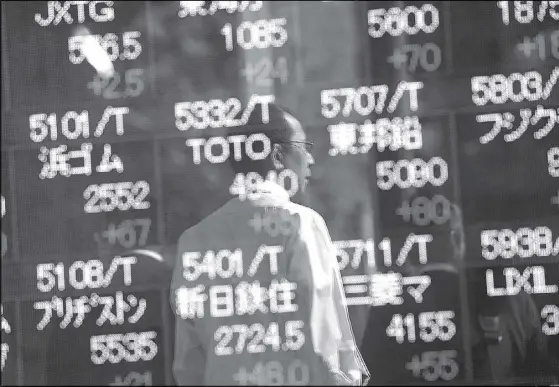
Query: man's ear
[{"x": 277, "y": 156}]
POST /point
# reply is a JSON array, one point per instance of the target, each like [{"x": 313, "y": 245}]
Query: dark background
[{"x": 498, "y": 185}]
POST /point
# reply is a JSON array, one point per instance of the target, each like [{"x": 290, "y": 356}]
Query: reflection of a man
[
  {"x": 291, "y": 326},
  {"x": 505, "y": 332},
  {"x": 506, "y": 337}
]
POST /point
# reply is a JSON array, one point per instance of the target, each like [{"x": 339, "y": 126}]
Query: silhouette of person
[{"x": 298, "y": 296}]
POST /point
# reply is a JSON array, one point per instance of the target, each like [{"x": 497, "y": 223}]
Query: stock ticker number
[
  {"x": 423, "y": 211},
  {"x": 540, "y": 45},
  {"x": 525, "y": 11},
  {"x": 413, "y": 56},
  {"x": 124, "y": 196},
  {"x": 417, "y": 173},
  {"x": 551, "y": 315},
  {"x": 273, "y": 374},
  {"x": 432, "y": 326},
  {"x": 553, "y": 161},
  {"x": 125, "y": 47},
  {"x": 256, "y": 338},
  {"x": 516, "y": 87},
  {"x": 524, "y": 243},
  {"x": 74, "y": 125},
  {"x": 212, "y": 263},
  {"x": 129, "y": 347},
  {"x": 265, "y": 70},
  {"x": 216, "y": 113},
  {"x": 133, "y": 379},
  {"x": 128, "y": 234},
  {"x": 366, "y": 99},
  {"x": 261, "y": 34},
  {"x": 396, "y": 21},
  {"x": 434, "y": 365},
  {"x": 93, "y": 274},
  {"x": 273, "y": 222},
  {"x": 132, "y": 82},
  {"x": 246, "y": 186}
]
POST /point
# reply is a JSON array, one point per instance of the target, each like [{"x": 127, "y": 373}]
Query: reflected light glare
[{"x": 95, "y": 54}]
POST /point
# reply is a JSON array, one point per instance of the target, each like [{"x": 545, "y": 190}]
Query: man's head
[{"x": 289, "y": 147}]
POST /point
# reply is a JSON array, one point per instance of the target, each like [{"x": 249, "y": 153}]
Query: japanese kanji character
[
  {"x": 501, "y": 121},
  {"x": 73, "y": 306},
  {"x": 3, "y": 244},
  {"x": 356, "y": 285},
  {"x": 190, "y": 302},
  {"x": 525, "y": 115},
  {"x": 5, "y": 347},
  {"x": 5, "y": 350},
  {"x": 368, "y": 135},
  {"x": 190, "y": 8},
  {"x": 56, "y": 161},
  {"x": 109, "y": 302},
  {"x": 282, "y": 291},
  {"x": 386, "y": 288},
  {"x": 5, "y": 325},
  {"x": 80, "y": 308},
  {"x": 142, "y": 305},
  {"x": 343, "y": 138},
  {"x": 109, "y": 161},
  {"x": 47, "y": 306},
  {"x": 69, "y": 313},
  {"x": 250, "y": 298},
  {"x": 386, "y": 132},
  {"x": 417, "y": 293},
  {"x": 544, "y": 113},
  {"x": 221, "y": 306},
  {"x": 229, "y": 6}
]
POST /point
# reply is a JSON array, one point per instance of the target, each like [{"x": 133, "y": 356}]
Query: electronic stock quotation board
[{"x": 436, "y": 144}]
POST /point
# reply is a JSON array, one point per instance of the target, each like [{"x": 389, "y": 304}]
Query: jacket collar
[{"x": 270, "y": 192}]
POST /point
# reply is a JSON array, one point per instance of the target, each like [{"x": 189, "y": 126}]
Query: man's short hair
[{"x": 277, "y": 129}]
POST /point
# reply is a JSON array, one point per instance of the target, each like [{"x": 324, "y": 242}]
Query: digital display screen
[{"x": 435, "y": 167}]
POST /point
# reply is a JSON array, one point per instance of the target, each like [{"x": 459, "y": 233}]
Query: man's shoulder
[
  {"x": 314, "y": 218},
  {"x": 228, "y": 218},
  {"x": 306, "y": 214},
  {"x": 210, "y": 222},
  {"x": 298, "y": 209}
]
